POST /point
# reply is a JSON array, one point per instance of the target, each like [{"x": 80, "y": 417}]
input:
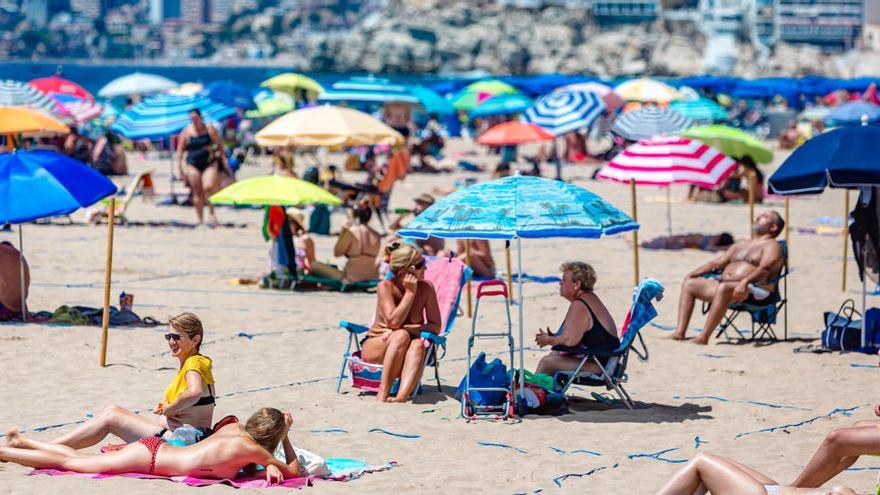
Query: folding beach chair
[
  {"x": 138, "y": 183},
  {"x": 449, "y": 276},
  {"x": 613, "y": 373},
  {"x": 763, "y": 314}
]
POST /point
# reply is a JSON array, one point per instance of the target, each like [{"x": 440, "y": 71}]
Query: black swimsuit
[
  {"x": 596, "y": 338},
  {"x": 200, "y": 153}
]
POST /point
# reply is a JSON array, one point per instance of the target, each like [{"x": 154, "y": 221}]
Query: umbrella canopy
[
  {"x": 57, "y": 85},
  {"x": 612, "y": 100},
  {"x": 137, "y": 83},
  {"x": 19, "y": 94},
  {"x": 187, "y": 89},
  {"x": 731, "y": 141},
  {"x": 844, "y": 157},
  {"x": 18, "y": 120},
  {"x": 273, "y": 190},
  {"x": 161, "y": 116},
  {"x": 491, "y": 86},
  {"x": 666, "y": 161},
  {"x": 38, "y": 184},
  {"x": 701, "y": 109},
  {"x": 270, "y": 102},
  {"x": 501, "y": 105},
  {"x": 368, "y": 90},
  {"x": 648, "y": 122},
  {"x": 561, "y": 112},
  {"x": 230, "y": 94},
  {"x": 520, "y": 206},
  {"x": 815, "y": 113},
  {"x": 80, "y": 109},
  {"x": 466, "y": 100},
  {"x": 852, "y": 113},
  {"x": 289, "y": 82},
  {"x": 646, "y": 90},
  {"x": 431, "y": 101},
  {"x": 327, "y": 125},
  {"x": 514, "y": 132}
]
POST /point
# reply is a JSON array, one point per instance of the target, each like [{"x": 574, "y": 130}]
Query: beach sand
[{"x": 51, "y": 374}]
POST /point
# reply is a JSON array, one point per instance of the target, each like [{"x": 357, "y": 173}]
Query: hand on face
[{"x": 410, "y": 281}]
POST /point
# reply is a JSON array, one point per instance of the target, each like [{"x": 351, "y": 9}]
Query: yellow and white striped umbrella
[{"x": 644, "y": 90}]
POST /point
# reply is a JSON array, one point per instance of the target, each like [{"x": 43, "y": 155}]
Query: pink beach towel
[{"x": 445, "y": 275}]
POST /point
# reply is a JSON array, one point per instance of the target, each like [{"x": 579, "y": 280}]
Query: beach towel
[{"x": 446, "y": 277}]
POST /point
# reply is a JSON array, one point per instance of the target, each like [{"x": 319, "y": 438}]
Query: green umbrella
[
  {"x": 271, "y": 103},
  {"x": 273, "y": 190},
  {"x": 491, "y": 86},
  {"x": 731, "y": 141}
]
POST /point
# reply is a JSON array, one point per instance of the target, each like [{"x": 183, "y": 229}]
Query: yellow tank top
[{"x": 198, "y": 363}]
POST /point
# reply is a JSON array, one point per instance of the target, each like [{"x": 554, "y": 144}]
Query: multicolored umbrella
[
  {"x": 647, "y": 90},
  {"x": 290, "y": 82},
  {"x": 467, "y": 100},
  {"x": 162, "y": 116},
  {"x": 80, "y": 109},
  {"x": 648, "y": 122},
  {"x": 327, "y": 125},
  {"x": 503, "y": 104},
  {"x": 701, "y": 109},
  {"x": 491, "y": 86},
  {"x": 137, "y": 83},
  {"x": 273, "y": 190},
  {"x": 562, "y": 112},
  {"x": 270, "y": 102},
  {"x": 19, "y": 94},
  {"x": 514, "y": 132},
  {"x": 57, "y": 85},
  {"x": 731, "y": 141}
]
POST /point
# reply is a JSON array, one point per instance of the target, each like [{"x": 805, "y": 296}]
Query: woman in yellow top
[{"x": 189, "y": 399}]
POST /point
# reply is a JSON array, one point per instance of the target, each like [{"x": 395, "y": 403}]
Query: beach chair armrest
[
  {"x": 353, "y": 327},
  {"x": 434, "y": 338}
]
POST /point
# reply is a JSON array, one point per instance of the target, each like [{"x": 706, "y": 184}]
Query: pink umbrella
[{"x": 79, "y": 109}]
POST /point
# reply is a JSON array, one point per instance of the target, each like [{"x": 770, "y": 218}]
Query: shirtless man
[
  {"x": 432, "y": 246},
  {"x": 220, "y": 456},
  {"x": 481, "y": 257},
  {"x": 755, "y": 261},
  {"x": 10, "y": 282}
]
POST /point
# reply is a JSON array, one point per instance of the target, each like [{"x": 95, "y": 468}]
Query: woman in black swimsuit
[
  {"x": 201, "y": 171},
  {"x": 587, "y": 324}
]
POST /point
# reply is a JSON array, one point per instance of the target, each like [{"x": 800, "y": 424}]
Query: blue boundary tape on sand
[
  {"x": 658, "y": 456},
  {"x": 579, "y": 451},
  {"x": 490, "y": 444},
  {"x": 400, "y": 435},
  {"x": 753, "y": 402},
  {"x": 559, "y": 479},
  {"x": 844, "y": 411},
  {"x": 328, "y": 430}
]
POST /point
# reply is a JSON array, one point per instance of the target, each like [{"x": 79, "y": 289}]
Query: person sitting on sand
[
  {"x": 703, "y": 242},
  {"x": 223, "y": 455},
  {"x": 722, "y": 476},
  {"x": 10, "y": 282},
  {"x": 406, "y": 306},
  {"x": 481, "y": 260},
  {"x": 587, "y": 324},
  {"x": 791, "y": 137},
  {"x": 432, "y": 246},
  {"x": 360, "y": 244},
  {"x": 189, "y": 398},
  {"x": 746, "y": 269}
]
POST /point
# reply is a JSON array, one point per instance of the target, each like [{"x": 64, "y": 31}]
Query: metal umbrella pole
[
  {"x": 21, "y": 271},
  {"x": 519, "y": 283}
]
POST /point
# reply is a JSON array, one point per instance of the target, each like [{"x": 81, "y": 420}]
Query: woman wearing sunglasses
[
  {"x": 407, "y": 306},
  {"x": 189, "y": 398}
]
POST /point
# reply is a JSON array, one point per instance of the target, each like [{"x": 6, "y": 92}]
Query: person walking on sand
[{"x": 202, "y": 173}]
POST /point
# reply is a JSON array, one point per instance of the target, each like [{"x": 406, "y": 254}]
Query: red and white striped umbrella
[
  {"x": 80, "y": 109},
  {"x": 669, "y": 160}
]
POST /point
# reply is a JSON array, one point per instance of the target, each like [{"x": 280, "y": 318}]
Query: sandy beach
[{"x": 290, "y": 354}]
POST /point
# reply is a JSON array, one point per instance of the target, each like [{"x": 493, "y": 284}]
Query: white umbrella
[{"x": 137, "y": 83}]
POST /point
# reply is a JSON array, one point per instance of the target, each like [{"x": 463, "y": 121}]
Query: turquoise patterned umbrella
[{"x": 520, "y": 207}]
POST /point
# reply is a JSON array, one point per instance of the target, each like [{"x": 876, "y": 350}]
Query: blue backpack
[{"x": 483, "y": 375}]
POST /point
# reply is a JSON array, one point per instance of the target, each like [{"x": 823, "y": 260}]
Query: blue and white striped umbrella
[
  {"x": 19, "y": 94},
  {"x": 561, "y": 112},
  {"x": 161, "y": 116},
  {"x": 650, "y": 122},
  {"x": 367, "y": 90}
]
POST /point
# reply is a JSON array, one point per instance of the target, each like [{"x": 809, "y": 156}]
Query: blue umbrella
[
  {"x": 162, "y": 116},
  {"x": 851, "y": 113},
  {"x": 365, "y": 90},
  {"x": 650, "y": 122},
  {"x": 520, "y": 207},
  {"x": 701, "y": 109},
  {"x": 230, "y": 94},
  {"x": 431, "y": 101},
  {"x": 501, "y": 105},
  {"x": 39, "y": 184},
  {"x": 561, "y": 112}
]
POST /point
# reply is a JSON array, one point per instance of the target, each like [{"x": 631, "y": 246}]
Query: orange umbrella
[
  {"x": 15, "y": 121},
  {"x": 514, "y": 132}
]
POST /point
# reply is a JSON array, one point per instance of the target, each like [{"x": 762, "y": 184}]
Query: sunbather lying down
[
  {"x": 703, "y": 242},
  {"x": 721, "y": 476},
  {"x": 223, "y": 455}
]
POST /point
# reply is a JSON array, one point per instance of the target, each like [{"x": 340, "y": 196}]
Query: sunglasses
[
  {"x": 173, "y": 336},
  {"x": 418, "y": 266}
]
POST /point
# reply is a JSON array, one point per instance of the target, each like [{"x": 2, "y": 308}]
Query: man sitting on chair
[{"x": 746, "y": 269}]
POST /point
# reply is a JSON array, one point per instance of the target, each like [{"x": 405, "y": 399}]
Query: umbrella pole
[
  {"x": 752, "y": 204},
  {"x": 845, "y": 215},
  {"x": 519, "y": 283},
  {"x": 171, "y": 176},
  {"x": 21, "y": 271},
  {"x": 467, "y": 258},
  {"x": 668, "y": 210},
  {"x": 105, "y": 321},
  {"x": 787, "y": 229},
  {"x": 864, "y": 302},
  {"x": 635, "y": 216},
  {"x": 509, "y": 271}
]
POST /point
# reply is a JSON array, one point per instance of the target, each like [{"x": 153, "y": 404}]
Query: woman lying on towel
[
  {"x": 222, "y": 456},
  {"x": 189, "y": 398},
  {"x": 721, "y": 476},
  {"x": 406, "y": 307},
  {"x": 587, "y": 324}
]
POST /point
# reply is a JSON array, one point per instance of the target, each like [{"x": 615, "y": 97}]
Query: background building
[{"x": 827, "y": 23}]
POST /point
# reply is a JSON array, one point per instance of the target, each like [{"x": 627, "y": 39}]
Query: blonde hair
[
  {"x": 400, "y": 256},
  {"x": 580, "y": 272},
  {"x": 266, "y": 426},
  {"x": 189, "y": 324}
]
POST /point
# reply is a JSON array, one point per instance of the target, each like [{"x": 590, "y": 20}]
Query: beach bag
[
  {"x": 485, "y": 375},
  {"x": 843, "y": 332}
]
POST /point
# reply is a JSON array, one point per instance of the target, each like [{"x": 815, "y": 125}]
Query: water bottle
[{"x": 186, "y": 435}]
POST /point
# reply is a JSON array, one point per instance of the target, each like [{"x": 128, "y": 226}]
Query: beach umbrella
[
  {"x": 16, "y": 121},
  {"x": 853, "y": 113},
  {"x": 290, "y": 82},
  {"x": 647, "y": 90},
  {"x": 187, "y": 89},
  {"x": 731, "y": 141},
  {"x": 513, "y": 133},
  {"x": 665, "y": 161},
  {"x": 491, "y": 86},
  {"x": 162, "y": 116},
  {"x": 814, "y": 113},
  {"x": 230, "y": 94},
  {"x": 700, "y": 109},
  {"x": 80, "y": 109},
  {"x": 137, "y": 83},
  {"x": 327, "y": 125},
  {"x": 57, "y": 85},
  {"x": 519, "y": 207},
  {"x": 562, "y": 112},
  {"x": 19, "y": 94},
  {"x": 466, "y": 100},
  {"x": 502, "y": 104},
  {"x": 648, "y": 122},
  {"x": 431, "y": 101},
  {"x": 613, "y": 101},
  {"x": 39, "y": 184},
  {"x": 270, "y": 102},
  {"x": 367, "y": 90},
  {"x": 843, "y": 158},
  {"x": 273, "y": 190}
]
